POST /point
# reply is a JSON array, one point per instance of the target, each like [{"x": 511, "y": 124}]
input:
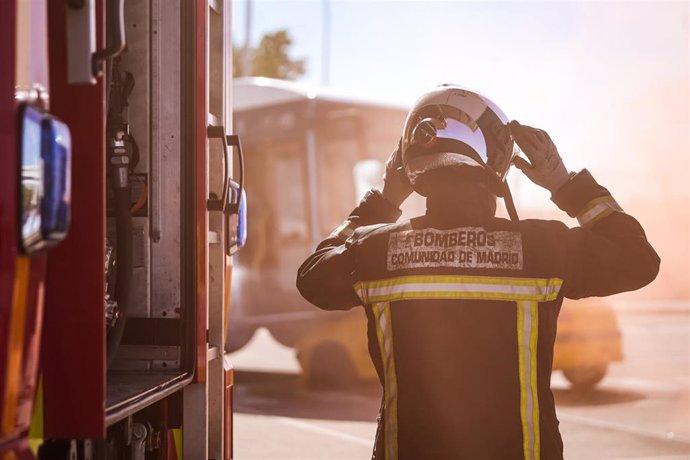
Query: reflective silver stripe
[
  {"x": 384, "y": 332},
  {"x": 458, "y": 287},
  {"x": 344, "y": 230},
  {"x": 527, "y": 329},
  {"x": 525, "y": 292},
  {"x": 597, "y": 209}
]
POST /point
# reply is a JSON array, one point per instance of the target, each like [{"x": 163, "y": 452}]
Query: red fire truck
[{"x": 119, "y": 215}]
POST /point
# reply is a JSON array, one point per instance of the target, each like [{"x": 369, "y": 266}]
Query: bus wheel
[
  {"x": 289, "y": 334},
  {"x": 585, "y": 378},
  {"x": 330, "y": 366}
]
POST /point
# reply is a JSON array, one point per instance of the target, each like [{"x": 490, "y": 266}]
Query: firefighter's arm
[
  {"x": 609, "y": 252},
  {"x": 327, "y": 276}
]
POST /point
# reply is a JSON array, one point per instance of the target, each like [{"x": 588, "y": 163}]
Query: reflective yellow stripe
[
  {"x": 597, "y": 209},
  {"x": 459, "y": 279},
  {"x": 384, "y": 332},
  {"x": 36, "y": 428},
  {"x": 527, "y": 332},
  {"x": 344, "y": 230},
  {"x": 458, "y": 287},
  {"x": 15, "y": 345},
  {"x": 454, "y": 295},
  {"x": 523, "y": 389},
  {"x": 534, "y": 313},
  {"x": 177, "y": 436},
  {"x": 526, "y": 292}
]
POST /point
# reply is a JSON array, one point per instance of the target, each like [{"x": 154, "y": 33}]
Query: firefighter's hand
[
  {"x": 396, "y": 185},
  {"x": 545, "y": 167}
]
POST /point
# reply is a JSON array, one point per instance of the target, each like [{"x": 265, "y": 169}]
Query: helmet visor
[
  {"x": 444, "y": 142},
  {"x": 457, "y": 131}
]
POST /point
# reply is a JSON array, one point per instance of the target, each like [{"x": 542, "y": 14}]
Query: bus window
[
  {"x": 368, "y": 174},
  {"x": 340, "y": 146},
  {"x": 290, "y": 198},
  {"x": 276, "y": 201}
]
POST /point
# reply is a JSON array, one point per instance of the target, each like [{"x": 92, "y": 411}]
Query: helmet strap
[
  {"x": 510, "y": 204},
  {"x": 503, "y": 191}
]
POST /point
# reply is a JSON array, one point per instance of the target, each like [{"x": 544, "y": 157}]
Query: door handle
[
  {"x": 116, "y": 40},
  {"x": 228, "y": 203},
  {"x": 214, "y": 203},
  {"x": 233, "y": 140},
  {"x": 81, "y": 41}
]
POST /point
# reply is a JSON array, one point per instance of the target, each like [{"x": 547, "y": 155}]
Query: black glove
[
  {"x": 546, "y": 168},
  {"x": 396, "y": 184}
]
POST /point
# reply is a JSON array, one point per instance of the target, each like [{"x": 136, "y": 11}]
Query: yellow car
[
  {"x": 588, "y": 339},
  {"x": 334, "y": 352}
]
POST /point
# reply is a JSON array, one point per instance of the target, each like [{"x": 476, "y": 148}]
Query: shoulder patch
[{"x": 465, "y": 247}]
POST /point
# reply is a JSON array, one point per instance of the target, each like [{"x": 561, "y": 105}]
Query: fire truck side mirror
[
  {"x": 45, "y": 154},
  {"x": 116, "y": 40}
]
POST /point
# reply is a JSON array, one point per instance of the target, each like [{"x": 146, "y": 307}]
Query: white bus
[{"x": 308, "y": 162}]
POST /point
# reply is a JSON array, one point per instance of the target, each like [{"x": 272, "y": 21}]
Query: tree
[{"x": 270, "y": 59}]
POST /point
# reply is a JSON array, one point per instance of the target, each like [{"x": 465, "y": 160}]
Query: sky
[{"x": 589, "y": 73}]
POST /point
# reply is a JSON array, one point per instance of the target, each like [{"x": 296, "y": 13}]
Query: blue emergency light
[
  {"x": 242, "y": 221},
  {"x": 238, "y": 228},
  {"x": 45, "y": 153},
  {"x": 56, "y": 150}
]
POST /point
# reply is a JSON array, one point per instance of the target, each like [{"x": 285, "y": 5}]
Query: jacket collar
[{"x": 470, "y": 206}]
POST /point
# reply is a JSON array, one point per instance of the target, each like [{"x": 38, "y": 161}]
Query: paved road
[{"x": 641, "y": 410}]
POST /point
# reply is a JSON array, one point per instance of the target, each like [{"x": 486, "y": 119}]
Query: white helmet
[{"x": 451, "y": 126}]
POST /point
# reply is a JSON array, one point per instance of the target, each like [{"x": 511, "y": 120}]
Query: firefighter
[{"x": 462, "y": 305}]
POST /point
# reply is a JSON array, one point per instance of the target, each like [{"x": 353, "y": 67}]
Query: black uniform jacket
[{"x": 462, "y": 309}]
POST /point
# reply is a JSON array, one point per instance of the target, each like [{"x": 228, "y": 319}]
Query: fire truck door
[{"x": 205, "y": 404}]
